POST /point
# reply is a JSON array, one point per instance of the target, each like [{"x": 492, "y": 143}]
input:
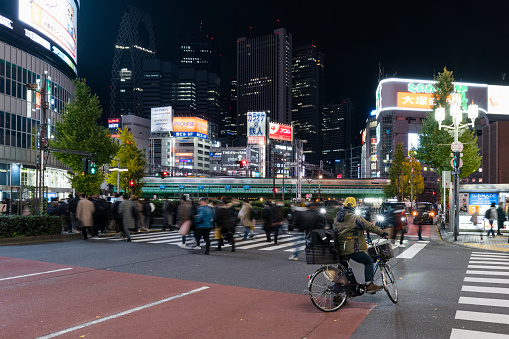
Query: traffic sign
[{"x": 457, "y": 146}]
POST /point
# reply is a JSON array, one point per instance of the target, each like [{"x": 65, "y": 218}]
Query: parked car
[
  {"x": 392, "y": 214},
  {"x": 424, "y": 212}
]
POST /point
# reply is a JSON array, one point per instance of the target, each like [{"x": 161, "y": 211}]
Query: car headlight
[
  {"x": 380, "y": 218},
  {"x": 323, "y": 210},
  {"x": 403, "y": 218},
  {"x": 357, "y": 212}
]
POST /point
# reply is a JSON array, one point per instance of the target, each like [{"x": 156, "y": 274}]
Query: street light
[
  {"x": 319, "y": 187},
  {"x": 457, "y": 118}
]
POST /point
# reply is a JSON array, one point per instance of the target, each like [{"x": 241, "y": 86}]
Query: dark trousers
[
  {"x": 367, "y": 261},
  {"x": 419, "y": 231},
  {"x": 229, "y": 237},
  {"x": 396, "y": 231},
  {"x": 93, "y": 231},
  {"x": 491, "y": 229},
  {"x": 205, "y": 233},
  {"x": 277, "y": 227},
  {"x": 500, "y": 225}
]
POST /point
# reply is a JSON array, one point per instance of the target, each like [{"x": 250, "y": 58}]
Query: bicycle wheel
[
  {"x": 321, "y": 289},
  {"x": 389, "y": 283}
]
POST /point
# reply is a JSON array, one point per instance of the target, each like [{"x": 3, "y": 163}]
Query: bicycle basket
[{"x": 385, "y": 251}]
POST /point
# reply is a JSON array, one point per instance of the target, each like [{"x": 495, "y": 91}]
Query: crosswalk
[
  {"x": 287, "y": 242},
  {"x": 484, "y": 299}
]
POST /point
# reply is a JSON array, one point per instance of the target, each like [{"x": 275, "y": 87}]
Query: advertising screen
[
  {"x": 56, "y": 19},
  {"x": 229, "y": 158},
  {"x": 498, "y": 100},
  {"x": 256, "y": 127},
  {"x": 190, "y": 127},
  {"x": 161, "y": 119},
  {"x": 280, "y": 132}
]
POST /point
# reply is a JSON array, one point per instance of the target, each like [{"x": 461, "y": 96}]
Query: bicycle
[{"x": 330, "y": 287}]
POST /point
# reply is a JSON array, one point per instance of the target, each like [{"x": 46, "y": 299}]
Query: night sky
[{"x": 410, "y": 39}]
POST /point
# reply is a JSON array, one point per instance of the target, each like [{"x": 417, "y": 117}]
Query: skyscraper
[
  {"x": 228, "y": 121},
  {"x": 307, "y": 99},
  {"x": 264, "y": 78},
  {"x": 127, "y": 70},
  {"x": 337, "y": 133},
  {"x": 199, "y": 52}
]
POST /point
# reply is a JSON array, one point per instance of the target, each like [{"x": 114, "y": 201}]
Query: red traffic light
[
  {"x": 243, "y": 162},
  {"x": 131, "y": 183},
  {"x": 164, "y": 174},
  {"x": 276, "y": 190}
]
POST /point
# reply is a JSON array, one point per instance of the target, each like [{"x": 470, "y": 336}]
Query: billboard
[
  {"x": 230, "y": 157},
  {"x": 56, "y": 19},
  {"x": 256, "y": 127},
  {"x": 498, "y": 99},
  {"x": 417, "y": 95},
  {"x": 161, "y": 119},
  {"x": 190, "y": 127},
  {"x": 280, "y": 132}
]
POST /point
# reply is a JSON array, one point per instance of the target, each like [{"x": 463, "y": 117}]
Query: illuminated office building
[{"x": 264, "y": 78}]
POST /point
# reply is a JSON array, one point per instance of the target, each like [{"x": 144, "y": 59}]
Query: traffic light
[
  {"x": 164, "y": 174},
  {"x": 92, "y": 167},
  {"x": 85, "y": 166},
  {"x": 243, "y": 163},
  {"x": 456, "y": 159},
  {"x": 131, "y": 184},
  {"x": 276, "y": 190}
]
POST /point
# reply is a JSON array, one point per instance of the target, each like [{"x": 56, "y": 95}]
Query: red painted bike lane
[{"x": 74, "y": 302}]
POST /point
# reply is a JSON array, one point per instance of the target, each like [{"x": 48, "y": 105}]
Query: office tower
[
  {"x": 228, "y": 132},
  {"x": 337, "y": 135},
  {"x": 264, "y": 78},
  {"x": 200, "y": 53},
  {"x": 185, "y": 89},
  {"x": 307, "y": 99},
  {"x": 127, "y": 70}
]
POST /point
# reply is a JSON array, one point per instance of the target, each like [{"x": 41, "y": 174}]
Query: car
[
  {"x": 392, "y": 214},
  {"x": 423, "y": 212}
]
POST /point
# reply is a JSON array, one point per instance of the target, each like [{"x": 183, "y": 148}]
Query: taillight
[
  {"x": 432, "y": 214},
  {"x": 414, "y": 213}
]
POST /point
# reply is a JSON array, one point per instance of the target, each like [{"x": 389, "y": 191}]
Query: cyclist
[{"x": 351, "y": 227}]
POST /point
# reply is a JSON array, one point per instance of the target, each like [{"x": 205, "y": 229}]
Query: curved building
[{"x": 37, "y": 39}]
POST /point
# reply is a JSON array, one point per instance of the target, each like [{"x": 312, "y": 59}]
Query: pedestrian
[
  {"x": 184, "y": 216},
  {"x": 247, "y": 220},
  {"x": 491, "y": 214},
  {"x": 101, "y": 214},
  {"x": 147, "y": 213},
  {"x": 226, "y": 222},
  {"x": 204, "y": 222},
  {"x": 267, "y": 220},
  {"x": 277, "y": 217},
  {"x": 419, "y": 219},
  {"x": 306, "y": 219},
  {"x": 117, "y": 216},
  {"x": 500, "y": 218},
  {"x": 164, "y": 212},
  {"x": 85, "y": 214},
  {"x": 474, "y": 222},
  {"x": 63, "y": 212},
  {"x": 73, "y": 205},
  {"x": 129, "y": 211}
]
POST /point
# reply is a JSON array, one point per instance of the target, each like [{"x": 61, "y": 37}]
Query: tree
[
  {"x": 395, "y": 171},
  {"x": 131, "y": 157},
  {"x": 415, "y": 181},
  {"x": 79, "y": 130},
  {"x": 435, "y": 145}
]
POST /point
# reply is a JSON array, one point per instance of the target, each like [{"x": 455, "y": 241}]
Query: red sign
[
  {"x": 339, "y": 176},
  {"x": 280, "y": 132}
]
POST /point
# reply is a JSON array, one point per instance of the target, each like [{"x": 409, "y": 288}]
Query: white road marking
[
  {"x": 281, "y": 245},
  {"x": 113, "y": 316},
  {"x": 301, "y": 248},
  {"x": 487, "y": 280},
  {"x": 484, "y": 257},
  {"x": 486, "y": 267},
  {"x": 484, "y": 301},
  {"x": 488, "y": 272},
  {"x": 479, "y": 262},
  {"x": 492, "y": 253},
  {"x": 412, "y": 251},
  {"x": 484, "y": 289},
  {"x": 467, "y": 334},
  {"x": 38, "y": 273},
  {"x": 482, "y": 316}
]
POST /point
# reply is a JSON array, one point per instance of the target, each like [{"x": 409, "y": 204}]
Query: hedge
[{"x": 13, "y": 226}]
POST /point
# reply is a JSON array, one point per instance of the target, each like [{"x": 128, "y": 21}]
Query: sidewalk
[{"x": 473, "y": 240}]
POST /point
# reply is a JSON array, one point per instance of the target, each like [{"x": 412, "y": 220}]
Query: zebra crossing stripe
[
  {"x": 484, "y": 289},
  {"x": 478, "y": 262},
  {"x": 492, "y": 253},
  {"x": 482, "y": 316},
  {"x": 301, "y": 248},
  {"x": 468, "y": 334},
  {"x": 281, "y": 245},
  {"x": 475, "y": 257},
  {"x": 487, "y": 280},
  {"x": 488, "y": 272},
  {"x": 484, "y": 301},
  {"x": 486, "y": 267},
  {"x": 412, "y": 251}
]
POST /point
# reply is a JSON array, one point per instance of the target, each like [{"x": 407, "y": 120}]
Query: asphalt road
[{"x": 113, "y": 289}]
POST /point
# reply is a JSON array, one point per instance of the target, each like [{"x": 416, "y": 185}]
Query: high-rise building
[
  {"x": 307, "y": 99},
  {"x": 127, "y": 70},
  {"x": 264, "y": 78},
  {"x": 228, "y": 121},
  {"x": 336, "y": 134},
  {"x": 200, "y": 53},
  {"x": 185, "y": 89}
]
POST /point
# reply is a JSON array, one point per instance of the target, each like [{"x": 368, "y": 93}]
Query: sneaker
[
  {"x": 293, "y": 258},
  {"x": 182, "y": 245},
  {"x": 402, "y": 245},
  {"x": 96, "y": 237},
  {"x": 372, "y": 288},
  {"x": 197, "y": 248}
]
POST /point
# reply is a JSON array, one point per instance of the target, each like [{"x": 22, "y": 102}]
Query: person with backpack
[
  {"x": 247, "y": 219},
  {"x": 306, "y": 219},
  {"x": 204, "y": 222},
  {"x": 491, "y": 214}
]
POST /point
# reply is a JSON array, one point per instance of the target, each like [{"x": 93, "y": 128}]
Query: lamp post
[
  {"x": 319, "y": 188},
  {"x": 118, "y": 169},
  {"x": 457, "y": 118}
]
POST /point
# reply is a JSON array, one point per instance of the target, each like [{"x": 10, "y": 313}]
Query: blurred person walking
[
  {"x": 204, "y": 222},
  {"x": 246, "y": 217},
  {"x": 500, "y": 218},
  {"x": 226, "y": 221},
  {"x": 129, "y": 210},
  {"x": 184, "y": 215},
  {"x": 85, "y": 214},
  {"x": 63, "y": 212},
  {"x": 73, "y": 205},
  {"x": 277, "y": 217}
]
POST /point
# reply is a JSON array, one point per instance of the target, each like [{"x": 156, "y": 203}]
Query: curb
[{"x": 39, "y": 239}]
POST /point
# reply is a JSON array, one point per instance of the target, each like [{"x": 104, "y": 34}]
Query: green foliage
[
  {"x": 79, "y": 130},
  {"x": 131, "y": 157},
  {"x": 435, "y": 145},
  {"x": 12, "y": 226},
  {"x": 402, "y": 180}
]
